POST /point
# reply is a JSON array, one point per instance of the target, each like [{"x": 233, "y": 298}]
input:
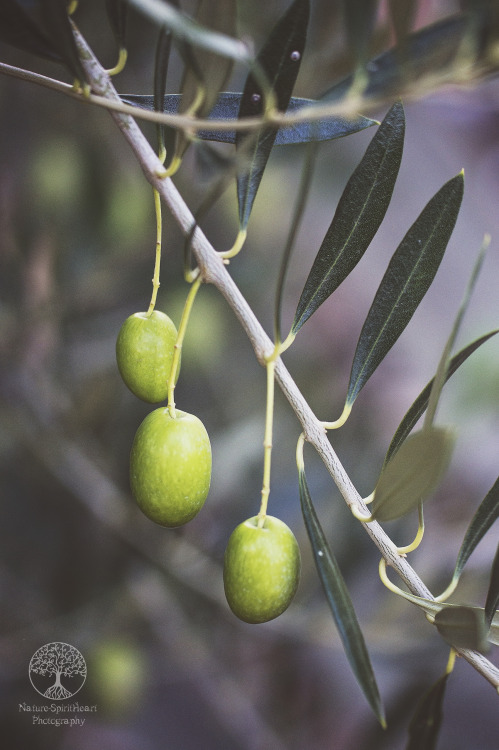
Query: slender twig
[{"x": 214, "y": 271}]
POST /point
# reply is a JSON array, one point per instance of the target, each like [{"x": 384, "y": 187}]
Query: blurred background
[{"x": 169, "y": 666}]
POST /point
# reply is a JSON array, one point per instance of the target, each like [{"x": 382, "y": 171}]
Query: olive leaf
[
  {"x": 432, "y": 51},
  {"x": 19, "y": 29},
  {"x": 486, "y": 514},
  {"x": 117, "y": 13},
  {"x": 166, "y": 136},
  {"x": 402, "y": 14},
  {"x": 56, "y": 21},
  {"x": 406, "y": 281},
  {"x": 340, "y": 602},
  {"x": 413, "y": 473},
  {"x": 360, "y": 211},
  {"x": 424, "y": 727},
  {"x": 360, "y": 16},
  {"x": 492, "y": 600},
  {"x": 463, "y": 627},
  {"x": 227, "y": 106},
  {"x": 211, "y": 71},
  {"x": 206, "y": 73},
  {"x": 433, "y": 607},
  {"x": 418, "y": 408},
  {"x": 186, "y": 29},
  {"x": 279, "y": 61}
]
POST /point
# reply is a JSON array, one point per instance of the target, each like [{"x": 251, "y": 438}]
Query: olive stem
[
  {"x": 189, "y": 302},
  {"x": 122, "y": 58},
  {"x": 157, "y": 262},
  {"x": 419, "y": 535},
  {"x": 237, "y": 246},
  {"x": 267, "y": 441},
  {"x": 212, "y": 270}
]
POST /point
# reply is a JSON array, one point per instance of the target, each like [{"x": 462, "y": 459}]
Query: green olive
[
  {"x": 170, "y": 466},
  {"x": 144, "y": 353},
  {"x": 261, "y": 569}
]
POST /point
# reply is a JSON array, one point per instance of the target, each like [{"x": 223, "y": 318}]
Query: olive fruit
[
  {"x": 170, "y": 466},
  {"x": 144, "y": 353},
  {"x": 261, "y": 569}
]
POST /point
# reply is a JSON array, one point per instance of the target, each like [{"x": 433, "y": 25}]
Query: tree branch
[{"x": 215, "y": 272}]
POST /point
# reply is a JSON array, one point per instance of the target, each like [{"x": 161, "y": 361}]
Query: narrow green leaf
[
  {"x": 427, "y": 53},
  {"x": 58, "y": 26},
  {"x": 19, "y": 29},
  {"x": 167, "y": 137},
  {"x": 211, "y": 71},
  {"x": 424, "y": 727},
  {"x": 227, "y": 107},
  {"x": 340, "y": 602},
  {"x": 279, "y": 60},
  {"x": 443, "y": 365},
  {"x": 418, "y": 407},
  {"x": 413, "y": 473},
  {"x": 406, "y": 281},
  {"x": 117, "y": 13},
  {"x": 360, "y": 17},
  {"x": 301, "y": 202},
  {"x": 463, "y": 627},
  {"x": 486, "y": 514},
  {"x": 360, "y": 211},
  {"x": 492, "y": 601},
  {"x": 205, "y": 72},
  {"x": 432, "y": 607},
  {"x": 185, "y": 29}
]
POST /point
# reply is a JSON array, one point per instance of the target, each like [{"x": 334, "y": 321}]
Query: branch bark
[{"x": 215, "y": 272}]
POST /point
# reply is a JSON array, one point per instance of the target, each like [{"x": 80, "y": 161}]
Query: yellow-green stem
[
  {"x": 300, "y": 463},
  {"x": 419, "y": 536},
  {"x": 448, "y": 591},
  {"x": 267, "y": 442},
  {"x": 122, "y": 58},
  {"x": 287, "y": 342},
  {"x": 237, "y": 246},
  {"x": 179, "y": 343},
  {"x": 157, "y": 263},
  {"x": 451, "y": 662},
  {"x": 341, "y": 420}
]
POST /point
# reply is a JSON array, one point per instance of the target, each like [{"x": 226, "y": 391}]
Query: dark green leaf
[
  {"x": 339, "y": 600},
  {"x": 185, "y": 29},
  {"x": 227, "y": 107},
  {"x": 492, "y": 601},
  {"x": 117, "y": 12},
  {"x": 279, "y": 61},
  {"x": 486, "y": 514},
  {"x": 413, "y": 473},
  {"x": 432, "y": 51},
  {"x": 301, "y": 202},
  {"x": 360, "y": 211},
  {"x": 418, "y": 407},
  {"x": 463, "y": 627},
  {"x": 21, "y": 30},
  {"x": 58, "y": 26},
  {"x": 205, "y": 72},
  {"x": 406, "y": 281},
  {"x": 402, "y": 13},
  {"x": 211, "y": 71},
  {"x": 167, "y": 136},
  {"x": 443, "y": 365},
  {"x": 425, "y": 723},
  {"x": 360, "y": 16}
]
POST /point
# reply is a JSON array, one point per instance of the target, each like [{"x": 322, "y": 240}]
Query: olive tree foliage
[{"x": 266, "y": 115}]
